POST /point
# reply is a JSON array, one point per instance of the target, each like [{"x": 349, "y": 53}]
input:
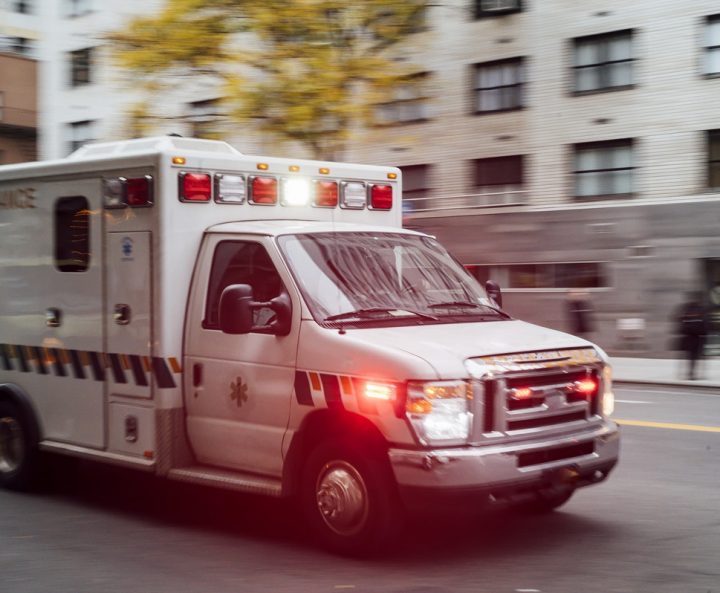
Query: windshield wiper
[
  {"x": 470, "y": 304},
  {"x": 370, "y": 311}
]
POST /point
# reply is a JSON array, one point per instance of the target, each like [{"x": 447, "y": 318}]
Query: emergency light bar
[{"x": 269, "y": 190}]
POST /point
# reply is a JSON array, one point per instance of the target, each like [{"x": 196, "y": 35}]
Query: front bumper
[{"x": 505, "y": 470}]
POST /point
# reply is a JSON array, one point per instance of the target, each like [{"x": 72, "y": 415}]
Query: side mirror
[
  {"x": 493, "y": 291},
  {"x": 235, "y": 312},
  {"x": 235, "y": 315}
]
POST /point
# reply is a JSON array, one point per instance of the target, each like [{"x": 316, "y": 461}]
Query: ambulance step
[{"x": 219, "y": 478}]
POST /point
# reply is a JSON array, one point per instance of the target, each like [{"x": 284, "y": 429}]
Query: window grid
[
  {"x": 604, "y": 169},
  {"x": 603, "y": 62},
  {"x": 713, "y": 139},
  {"x": 498, "y": 86},
  {"x": 487, "y": 8},
  {"x": 80, "y": 64},
  {"x": 409, "y": 104},
  {"x": 712, "y": 45}
]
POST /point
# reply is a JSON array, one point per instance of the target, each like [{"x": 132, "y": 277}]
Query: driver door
[{"x": 238, "y": 388}]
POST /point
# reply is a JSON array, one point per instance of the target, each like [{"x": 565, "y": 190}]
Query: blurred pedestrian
[
  {"x": 580, "y": 313},
  {"x": 692, "y": 322}
]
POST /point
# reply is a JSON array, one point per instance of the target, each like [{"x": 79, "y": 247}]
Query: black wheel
[
  {"x": 546, "y": 501},
  {"x": 349, "y": 498},
  {"x": 18, "y": 449}
]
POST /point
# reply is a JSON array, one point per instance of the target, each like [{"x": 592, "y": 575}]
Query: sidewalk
[{"x": 664, "y": 371}]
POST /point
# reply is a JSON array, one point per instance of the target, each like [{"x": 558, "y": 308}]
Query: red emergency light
[
  {"x": 381, "y": 197},
  {"x": 586, "y": 387},
  {"x": 263, "y": 190},
  {"x": 326, "y": 194},
  {"x": 195, "y": 187},
  {"x": 138, "y": 191}
]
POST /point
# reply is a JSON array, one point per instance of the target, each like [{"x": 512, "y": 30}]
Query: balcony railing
[{"x": 429, "y": 206}]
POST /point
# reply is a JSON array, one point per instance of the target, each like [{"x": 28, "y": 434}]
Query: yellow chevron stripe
[{"x": 174, "y": 365}]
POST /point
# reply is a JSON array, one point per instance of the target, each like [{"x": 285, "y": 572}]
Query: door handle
[
  {"x": 53, "y": 317},
  {"x": 197, "y": 374},
  {"x": 121, "y": 314}
]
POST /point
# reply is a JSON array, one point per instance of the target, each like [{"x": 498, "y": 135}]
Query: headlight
[
  {"x": 439, "y": 411},
  {"x": 608, "y": 397}
]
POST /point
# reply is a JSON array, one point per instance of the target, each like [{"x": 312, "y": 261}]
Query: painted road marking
[
  {"x": 631, "y": 401},
  {"x": 673, "y": 426}
]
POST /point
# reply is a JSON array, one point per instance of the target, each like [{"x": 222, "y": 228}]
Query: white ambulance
[{"x": 266, "y": 325}]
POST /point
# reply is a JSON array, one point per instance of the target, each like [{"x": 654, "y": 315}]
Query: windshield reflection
[{"x": 381, "y": 275}]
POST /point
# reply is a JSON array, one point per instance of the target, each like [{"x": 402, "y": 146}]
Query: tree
[{"x": 302, "y": 70}]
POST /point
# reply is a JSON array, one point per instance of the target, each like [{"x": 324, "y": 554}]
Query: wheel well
[
  {"x": 16, "y": 396},
  {"x": 323, "y": 425}
]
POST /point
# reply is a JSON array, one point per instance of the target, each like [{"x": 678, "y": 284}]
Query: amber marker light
[
  {"x": 324, "y": 171},
  {"x": 522, "y": 393},
  {"x": 263, "y": 166},
  {"x": 294, "y": 168},
  {"x": 383, "y": 391},
  {"x": 392, "y": 175},
  {"x": 179, "y": 160}
]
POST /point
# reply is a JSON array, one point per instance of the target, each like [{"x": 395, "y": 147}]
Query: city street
[{"x": 653, "y": 527}]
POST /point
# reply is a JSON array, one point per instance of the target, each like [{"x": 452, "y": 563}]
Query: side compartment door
[
  {"x": 128, "y": 321},
  {"x": 238, "y": 388}
]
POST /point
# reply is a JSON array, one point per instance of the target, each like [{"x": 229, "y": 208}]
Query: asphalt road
[{"x": 653, "y": 527}]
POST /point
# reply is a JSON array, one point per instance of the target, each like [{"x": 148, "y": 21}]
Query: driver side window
[{"x": 242, "y": 262}]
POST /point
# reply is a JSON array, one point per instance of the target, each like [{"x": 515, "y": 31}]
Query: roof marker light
[
  {"x": 392, "y": 175},
  {"x": 195, "y": 187},
  {"x": 263, "y": 166},
  {"x": 294, "y": 168},
  {"x": 353, "y": 195},
  {"x": 179, "y": 160},
  {"x": 324, "y": 171}
]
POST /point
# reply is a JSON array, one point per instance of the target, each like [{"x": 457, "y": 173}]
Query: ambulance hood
[{"x": 446, "y": 347}]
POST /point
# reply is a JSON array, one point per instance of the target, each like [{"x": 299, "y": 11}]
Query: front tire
[
  {"x": 349, "y": 499},
  {"x": 18, "y": 449}
]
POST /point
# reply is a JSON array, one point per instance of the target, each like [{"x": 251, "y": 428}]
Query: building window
[
  {"x": 81, "y": 132},
  {"x": 604, "y": 168},
  {"x": 416, "y": 186},
  {"x": 22, "y": 6},
  {"x": 409, "y": 102},
  {"x": 498, "y": 86},
  {"x": 603, "y": 62},
  {"x": 204, "y": 117},
  {"x": 713, "y": 137},
  {"x": 499, "y": 174},
  {"x": 485, "y": 8},
  {"x": 72, "y": 234},
  {"x": 17, "y": 45},
  {"x": 559, "y": 275},
  {"x": 712, "y": 45},
  {"x": 80, "y": 66},
  {"x": 75, "y": 8}
]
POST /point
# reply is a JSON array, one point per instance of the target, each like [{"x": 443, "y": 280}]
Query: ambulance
[{"x": 266, "y": 325}]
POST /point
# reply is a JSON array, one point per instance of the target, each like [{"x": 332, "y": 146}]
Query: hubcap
[
  {"x": 11, "y": 444},
  {"x": 342, "y": 498}
]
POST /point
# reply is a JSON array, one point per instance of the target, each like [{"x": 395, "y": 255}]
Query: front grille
[
  {"x": 546, "y": 420},
  {"x": 557, "y": 454},
  {"x": 519, "y": 402}
]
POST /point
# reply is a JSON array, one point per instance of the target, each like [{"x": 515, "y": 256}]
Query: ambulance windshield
[{"x": 383, "y": 277}]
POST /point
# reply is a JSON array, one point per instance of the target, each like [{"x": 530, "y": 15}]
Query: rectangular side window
[
  {"x": 72, "y": 234},
  {"x": 241, "y": 262},
  {"x": 604, "y": 168},
  {"x": 498, "y": 86},
  {"x": 603, "y": 62}
]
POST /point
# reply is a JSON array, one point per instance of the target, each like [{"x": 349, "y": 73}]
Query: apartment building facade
[{"x": 552, "y": 144}]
